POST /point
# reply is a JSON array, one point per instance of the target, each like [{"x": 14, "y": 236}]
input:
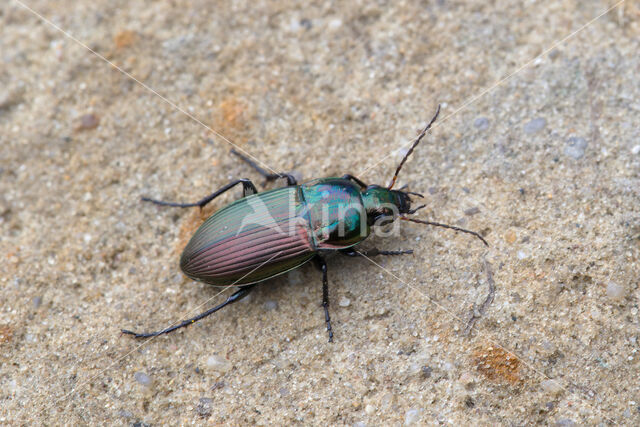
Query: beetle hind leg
[
  {"x": 248, "y": 188},
  {"x": 322, "y": 265},
  {"x": 237, "y": 296}
]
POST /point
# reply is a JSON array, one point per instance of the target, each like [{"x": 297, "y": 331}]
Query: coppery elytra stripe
[
  {"x": 221, "y": 265},
  {"x": 287, "y": 253}
]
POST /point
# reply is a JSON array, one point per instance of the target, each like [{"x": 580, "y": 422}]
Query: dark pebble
[
  {"x": 481, "y": 123},
  {"x": 36, "y": 301},
  {"x": 88, "y": 121},
  {"x": 426, "y": 371},
  {"x": 472, "y": 211},
  {"x": 306, "y": 23},
  {"x": 204, "y": 407}
]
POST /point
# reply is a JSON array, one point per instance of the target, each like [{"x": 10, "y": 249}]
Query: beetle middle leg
[
  {"x": 291, "y": 180},
  {"x": 236, "y": 296},
  {"x": 355, "y": 179},
  {"x": 247, "y": 189},
  {"x": 322, "y": 265},
  {"x": 373, "y": 252}
]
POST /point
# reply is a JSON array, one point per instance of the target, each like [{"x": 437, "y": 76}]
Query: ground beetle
[{"x": 266, "y": 234}]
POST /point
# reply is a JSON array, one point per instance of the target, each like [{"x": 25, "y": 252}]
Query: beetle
[{"x": 263, "y": 235}]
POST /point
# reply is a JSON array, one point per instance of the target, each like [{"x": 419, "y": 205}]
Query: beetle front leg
[
  {"x": 322, "y": 265},
  {"x": 247, "y": 189},
  {"x": 372, "y": 252}
]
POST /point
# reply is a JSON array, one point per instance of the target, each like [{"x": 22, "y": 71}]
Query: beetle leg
[
  {"x": 247, "y": 189},
  {"x": 268, "y": 176},
  {"x": 237, "y": 296},
  {"x": 372, "y": 252},
  {"x": 322, "y": 265},
  {"x": 354, "y": 179}
]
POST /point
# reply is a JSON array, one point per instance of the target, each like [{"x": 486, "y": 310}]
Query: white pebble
[
  {"x": 551, "y": 387},
  {"x": 615, "y": 291},
  {"x": 411, "y": 417},
  {"x": 218, "y": 363},
  {"x": 635, "y": 149},
  {"x": 143, "y": 379},
  {"x": 344, "y": 302},
  {"x": 369, "y": 409},
  {"x": 335, "y": 23}
]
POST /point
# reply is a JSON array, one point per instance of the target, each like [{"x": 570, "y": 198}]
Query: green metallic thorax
[{"x": 336, "y": 212}]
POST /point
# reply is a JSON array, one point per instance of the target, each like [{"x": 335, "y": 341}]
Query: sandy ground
[{"x": 545, "y": 165}]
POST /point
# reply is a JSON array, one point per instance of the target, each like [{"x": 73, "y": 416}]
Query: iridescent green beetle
[{"x": 266, "y": 234}]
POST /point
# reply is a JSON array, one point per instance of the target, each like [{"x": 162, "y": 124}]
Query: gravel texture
[{"x": 545, "y": 165}]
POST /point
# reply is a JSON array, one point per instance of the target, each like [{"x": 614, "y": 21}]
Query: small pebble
[
  {"x": 143, "y": 378},
  {"x": 10, "y": 98},
  {"x": 522, "y": 254},
  {"x": 271, "y": 305},
  {"x": 204, "y": 407},
  {"x": 551, "y": 387},
  {"x": 218, "y": 363},
  {"x": 565, "y": 422},
  {"x": 295, "y": 277},
  {"x": 635, "y": 149},
  {"x": 535, "y": 125},
  {"x": 472, "y": 211},
  {"x": 467, "y": 379},
  {"x": 426, "y": 371},
  {"x": 369, "y": 409},
  {"x": 344, "y": 302},
  {"x": 36, "y": 301},
  {"x": 575, "y": 147},
  {"x": 335, "y": 23},
  {"x": 510, "y": 237},
  {"x": 615, "y": 291},
  {"x": 124, "y": 414},
  {"x": 481, "y": 123},
  {"x": 411, "y": 417},
  {"x": 88, "y": 121}
]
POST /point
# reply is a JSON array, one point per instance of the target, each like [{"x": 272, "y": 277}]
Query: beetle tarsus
[
  {"x": 237, "y": 296},
  {"x": 373, "y": 252},
  {"x": 322, "y": 265}
]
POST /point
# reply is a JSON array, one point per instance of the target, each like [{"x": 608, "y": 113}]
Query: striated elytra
[{"x": 266, "y": 234}]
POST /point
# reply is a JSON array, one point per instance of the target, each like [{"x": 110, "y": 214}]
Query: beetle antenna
[
  {"x": 452, "y": 227},
  {"x": 415, "y": 143}
]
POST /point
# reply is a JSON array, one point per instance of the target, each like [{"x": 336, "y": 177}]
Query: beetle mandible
[{"x": 266, "y": 234}]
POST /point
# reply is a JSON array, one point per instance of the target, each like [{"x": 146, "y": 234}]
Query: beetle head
[{"x": 383, "y": 205}]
